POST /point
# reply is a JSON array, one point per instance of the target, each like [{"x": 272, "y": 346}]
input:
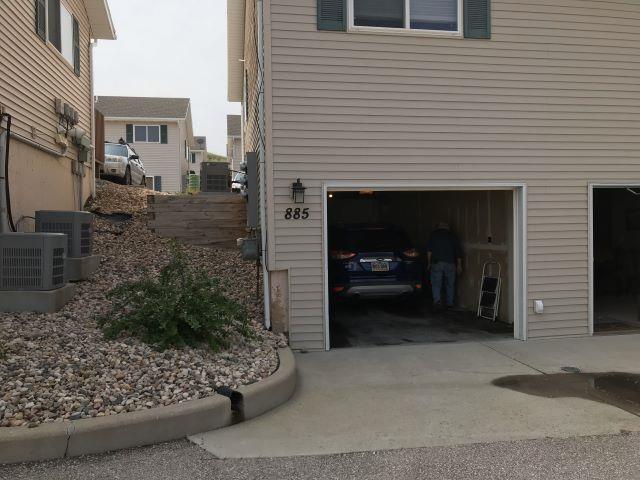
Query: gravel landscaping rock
[{"x": 57, "y": 367}]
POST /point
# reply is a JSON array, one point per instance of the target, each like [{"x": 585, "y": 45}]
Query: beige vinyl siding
[
  {"x": 552, "y": 100},
  {"x": 165, "y": 160},
  {"x": 32, "y": 75},
  {"x": 35, "y": 73},
  {"x": 235, "y": 50}
]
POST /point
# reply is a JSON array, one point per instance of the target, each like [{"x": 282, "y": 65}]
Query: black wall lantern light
[{"x": 297, "y": 191}]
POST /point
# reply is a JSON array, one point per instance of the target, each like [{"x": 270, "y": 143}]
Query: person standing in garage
[{"x": 444, "y": 261}]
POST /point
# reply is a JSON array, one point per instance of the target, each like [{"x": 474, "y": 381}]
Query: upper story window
[
  {"x": 438, "y": 16},
  {"x": 146, "y": 133},
  {"x": 57, "y": 25}
]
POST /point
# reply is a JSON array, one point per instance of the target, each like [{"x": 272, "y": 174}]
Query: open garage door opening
[
  {"x": 407, "y": 267},
  {"x": 616, "y": 259}
]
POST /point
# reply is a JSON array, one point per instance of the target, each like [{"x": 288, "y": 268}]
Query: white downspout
[
  {"x": 4, "y": 215},
  {"x": 263, "y": 204},
  {"x": 93, "y": 45}
]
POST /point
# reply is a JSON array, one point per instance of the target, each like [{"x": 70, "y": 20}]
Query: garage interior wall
[{"x": 483, "y": 221}]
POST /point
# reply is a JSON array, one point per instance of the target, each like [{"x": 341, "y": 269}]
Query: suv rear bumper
[
  {"x": 378, "y": 291},
  {"x": 114, "y": 169}
]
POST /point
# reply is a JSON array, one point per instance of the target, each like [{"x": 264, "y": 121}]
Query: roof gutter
[{"x": 143, "y": 119}]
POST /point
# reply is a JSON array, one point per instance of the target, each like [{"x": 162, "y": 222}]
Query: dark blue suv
[{"x": 370, "y": 261}]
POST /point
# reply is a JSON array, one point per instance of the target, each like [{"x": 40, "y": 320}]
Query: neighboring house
[
  {"x": 234, "y": 141},
  {"x": 198, "y": 155},
  {"x": 46, "y": 86},
  {"x": 513, "y": 123},
  {"x": 159, "y": 129}
]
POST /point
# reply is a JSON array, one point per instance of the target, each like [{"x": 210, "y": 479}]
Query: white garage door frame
[{"x": 519, "y": 281}]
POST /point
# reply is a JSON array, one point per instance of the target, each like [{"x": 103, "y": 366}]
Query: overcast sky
[{"x": 171, "y": 48}]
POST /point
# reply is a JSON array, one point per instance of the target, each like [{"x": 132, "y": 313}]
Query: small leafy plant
[{"x": 181, "y": 306}]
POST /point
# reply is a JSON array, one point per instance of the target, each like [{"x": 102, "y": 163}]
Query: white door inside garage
[{"x": 378, "y": 287}]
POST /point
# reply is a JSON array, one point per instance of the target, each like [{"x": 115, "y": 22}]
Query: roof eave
[{"x": 102, "y": 27}]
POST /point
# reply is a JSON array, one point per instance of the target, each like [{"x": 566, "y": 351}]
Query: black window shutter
[
  {"x": 477, "y": 18},
  {"x": 54, "y": 24},
  {"x": 76, "y": 46},
  {"x": 41, "y": 19},
  {"x": 332, "y": 15},
  {"x": 157, "y": 183},
  {"x": 129, "y": 133},
  {"x": 164, "y": 134}
]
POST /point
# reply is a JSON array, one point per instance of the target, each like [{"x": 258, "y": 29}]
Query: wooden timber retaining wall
[{"x": 216, "y": 219}]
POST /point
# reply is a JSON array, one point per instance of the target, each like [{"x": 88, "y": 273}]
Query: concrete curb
[
  {"x": 271, "y": 392},
  {"x": 127, "y": 430},
  {"x": 146, "y": 427}
]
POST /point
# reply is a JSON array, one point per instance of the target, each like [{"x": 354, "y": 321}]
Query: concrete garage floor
[
  {"x": 385, "y": 398},
  {"x": 398, "y": 322}
]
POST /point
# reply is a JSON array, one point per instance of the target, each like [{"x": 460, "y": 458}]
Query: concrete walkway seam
[{"x": 146, "y": 427}]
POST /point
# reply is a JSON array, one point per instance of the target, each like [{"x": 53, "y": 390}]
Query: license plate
[{"x": 379, "y": 266}]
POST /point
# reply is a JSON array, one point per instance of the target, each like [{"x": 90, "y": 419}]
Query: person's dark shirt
[{"x": 444, "y": 246}]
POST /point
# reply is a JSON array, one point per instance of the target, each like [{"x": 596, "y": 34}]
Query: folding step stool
[{"x": 490, "y": 291}]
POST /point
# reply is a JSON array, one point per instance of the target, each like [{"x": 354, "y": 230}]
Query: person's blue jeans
[{"x": 442, "y": 272}]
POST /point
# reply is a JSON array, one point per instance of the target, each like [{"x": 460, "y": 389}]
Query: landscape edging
[{"x": 146, "y": 427}]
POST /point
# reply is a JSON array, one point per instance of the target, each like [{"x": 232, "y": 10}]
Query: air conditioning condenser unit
[
  {"x": 78, "y": 226},
  {"x": 32, "y": 261}
]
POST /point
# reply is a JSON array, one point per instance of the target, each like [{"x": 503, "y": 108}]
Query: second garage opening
[{"x": 420, "y": 266}]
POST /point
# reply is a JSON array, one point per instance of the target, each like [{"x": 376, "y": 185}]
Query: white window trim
[
  {"x": 135, "y": 140},
  {"x": 406, "y": 30}
]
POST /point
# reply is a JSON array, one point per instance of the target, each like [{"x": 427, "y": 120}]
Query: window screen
[
  {"x": 153, "y": 134},
  {"x": 434, "y": 14},
  {"x": 66, "y": 34},
  {"x": 141, "y": 133},
  {"x": 379, "y": 13}
]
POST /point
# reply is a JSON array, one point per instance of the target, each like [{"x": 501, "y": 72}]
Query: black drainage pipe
[{"x": 237, "y": 403}]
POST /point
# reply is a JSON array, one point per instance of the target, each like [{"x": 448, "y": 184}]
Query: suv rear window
[{"x": 117, "y": 150}]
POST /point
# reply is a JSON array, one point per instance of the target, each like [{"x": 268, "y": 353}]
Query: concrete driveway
[{"x": 383, "y": 398}]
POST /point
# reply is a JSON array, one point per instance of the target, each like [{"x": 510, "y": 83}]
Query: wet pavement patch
[{"x": 618, "y": 389}]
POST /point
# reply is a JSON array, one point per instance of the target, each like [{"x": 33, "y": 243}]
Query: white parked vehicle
[
  {"x": 122, "y": 163},
  {"x": 239, "y": 182}
]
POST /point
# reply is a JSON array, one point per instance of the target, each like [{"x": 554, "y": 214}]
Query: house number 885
[{"x": 296, "y": 214}]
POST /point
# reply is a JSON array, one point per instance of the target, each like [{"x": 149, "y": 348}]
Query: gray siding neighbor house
[
  {"x": 198, "y": 155},
  {"x": 159, "y": 129},
  {"x": 515, "y": 123},
  {"x": 234, "y": 141}
]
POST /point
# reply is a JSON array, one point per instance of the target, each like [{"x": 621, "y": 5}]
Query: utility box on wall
[{"x": 215, "y": 177}]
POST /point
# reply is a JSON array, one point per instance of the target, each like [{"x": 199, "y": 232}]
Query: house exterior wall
[
  {"x": 234, "y": 152},
  {"x": 551, "y": 100},
  {"x": 165, "y": 160},
  {"x": 33, "y": 75},
  {"x": 183, "y": 165},
  {"x": 201, "y": 156}
]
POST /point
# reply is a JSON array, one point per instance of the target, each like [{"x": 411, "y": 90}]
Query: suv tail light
[
  {"x": 411, "y": 253},
  {"x": 342, "y": 255}
]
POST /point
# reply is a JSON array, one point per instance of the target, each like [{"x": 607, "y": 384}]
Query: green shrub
[{"x": 181, "y": 306}]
